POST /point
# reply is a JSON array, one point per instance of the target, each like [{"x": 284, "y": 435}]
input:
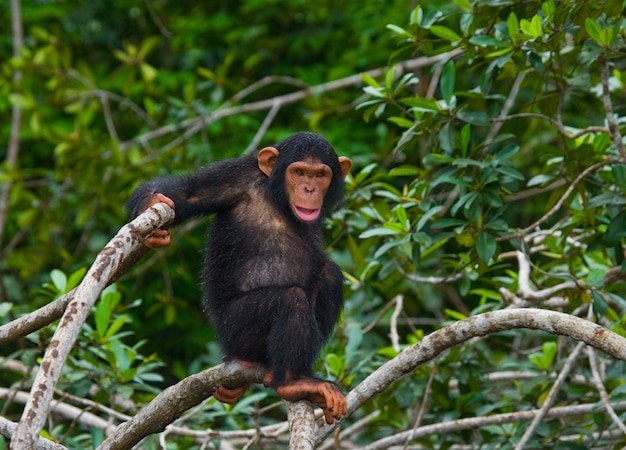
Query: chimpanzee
[{"x": 273, "y": 294}]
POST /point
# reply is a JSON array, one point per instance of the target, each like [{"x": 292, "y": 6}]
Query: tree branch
[
  {"x": 173, "y": 401},
  {"x": 561, "y": 201},
  {"x": 197, "y": 123},
  {"x": 473, "y": 423},
  {"x": 482, "y": 325},
  {"x": 107, "y": 263},
  {"x": 556, "y": 387},
  {"x": 616, "y": 137},
  {"x": 16, "y": 114},
  {"x": 7, "y": 428}
]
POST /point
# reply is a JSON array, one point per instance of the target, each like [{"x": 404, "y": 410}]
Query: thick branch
[
  {"x": 47, "y": 314},
  {"x": 173, "y": 401},
  {"x": 301, "y": 425},
  {"x": 482, "y": 325},
  {"x": 107, "y": 264},
  {"x": 7, "y": 428}
]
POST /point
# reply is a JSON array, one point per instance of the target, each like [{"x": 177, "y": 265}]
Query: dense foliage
[{"x": 492, "y": 176}]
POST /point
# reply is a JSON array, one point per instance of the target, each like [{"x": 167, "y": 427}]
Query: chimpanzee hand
[{"x": 161, "y": 237}]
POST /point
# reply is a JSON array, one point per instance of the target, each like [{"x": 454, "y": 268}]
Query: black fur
[{"x": 271, "y": 291}]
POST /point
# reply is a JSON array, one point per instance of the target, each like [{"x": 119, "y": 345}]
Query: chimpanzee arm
[
  {"x": 215, "y": 188},
  {"x": 329, "y": 298}
]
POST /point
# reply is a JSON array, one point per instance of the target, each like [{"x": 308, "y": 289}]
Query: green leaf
[
  {"x": 485, "y": 246},
  {"x": 5, "y": 307},
  {"x": 600, "y": 305},
  {"x": 416, "y": 16},
  {"x": 370, "y": 81},
  {"x": 485, "y": 41},
  {"x": 448, "y": 81},
  {"x": 402, "y": 217},
  {"x": 404, "y": 171},
  {"x": 595, "y": 278},
  {"x": 399, "y": 31},
  {"x": 115, "y": 327},
  {"x": 378, "y": 232},
  {"x": 616, "y": 230},
  {"x": 475, "y": 117},
  {"x": 445, "y": 33},
  {"x": 464, "y": 4},
  {"x": 389, "y": 77},
  {"x": 533, "y": 27},
  {"x": 421, "y": 103},
  {"x": 59, "y": 280},
  {"x": 102, "y": 317},
  {"x": 594, "y": 30},
  {"x": 401, "y": 122},
  {"x": 21, "y": 101},
  {"x": 446, "y": 137},
  {"x": 148, "y": 72},
  {"x": 545, "y": 359},
  {"x": 464, "y": 138},
  {"x": 512, "y": 24},
  {"x": 76, "y": 278}
]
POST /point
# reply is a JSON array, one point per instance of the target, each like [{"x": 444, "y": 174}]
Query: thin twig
[
  {"x": 604, "y": 395},
  {"x": 561, "y": 201},
  {"x": 608, "y": 108},
  {"x": 393, "y": 323},
  {"x": 508, "y": 104},
  {"x": 16, "y": 114},
  {"x": 543, "y": 411},
  {"x": 267, "y": 122},
  {"x": 353, "y": 80}
]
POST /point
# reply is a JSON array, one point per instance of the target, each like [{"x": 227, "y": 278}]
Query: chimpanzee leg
[
  {"x": 295, "y": 340},
  {"x": 245, "y": 325}
]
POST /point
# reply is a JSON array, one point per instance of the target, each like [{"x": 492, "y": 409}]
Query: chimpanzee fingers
[
  {"x": 158, "y": 198},
  {"x": 328, "y": 416},
  {"x": 160, "y": 238},
  {"x": 229, "y": 396},
  {"x": 336, "y": 406}
]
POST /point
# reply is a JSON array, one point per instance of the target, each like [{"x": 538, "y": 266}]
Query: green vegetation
[{"x": 490, "y": 173}]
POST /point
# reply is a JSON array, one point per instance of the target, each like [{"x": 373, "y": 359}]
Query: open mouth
[{"x": 306, "y": 214}]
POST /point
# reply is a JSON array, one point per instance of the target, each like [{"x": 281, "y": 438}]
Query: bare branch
[
  {"x": 549, "y": 401},
  {"x": 107, "y": 263},
  {"x": 562, "y": 129},
  {"x": 16, "y": 114},
  {"x": 393, "y": 323},
  {"x": 173, "y": 401},
  {"x": 604, "y": 395},
  {"x": 58, "y": 407},
  {"x": 561, "y": 201},
  {"x": 47, "y": 314},
  {"x": 482, "y": 325},
  {"x": 508, "y": 104},
  {"x": 523, "y": 282},
  {"x": 7, "y": 428},
  {"x": 197, "y": 123},
  {"x": 473, "y": 423},
  {"x": 301, "y": 425},
  {"x": 616, "y": 137}
]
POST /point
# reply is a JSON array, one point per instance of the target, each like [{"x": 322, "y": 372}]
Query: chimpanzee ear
[
  {"x": 267, "y": 159},
  {"x": 345, "y": 163}
]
